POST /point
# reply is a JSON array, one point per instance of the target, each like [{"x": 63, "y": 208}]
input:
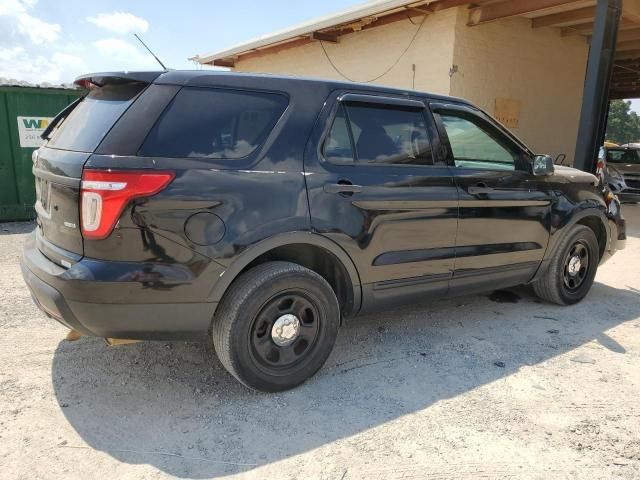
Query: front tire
[
  {"x": 572, "y": 268},
  {"x": 276, "y": 326}
]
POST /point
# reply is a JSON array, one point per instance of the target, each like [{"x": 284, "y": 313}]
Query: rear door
[
  {"x": 504, "y": 221},
  {"x": 58, "y": 167},
  {"x": 379, "y": 188}
]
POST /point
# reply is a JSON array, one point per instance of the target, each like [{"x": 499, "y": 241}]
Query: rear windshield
[
  {"x": 623, "y": 156},
  {"x": 89, "y": 122},
  {"x": 214, "y": 123}
]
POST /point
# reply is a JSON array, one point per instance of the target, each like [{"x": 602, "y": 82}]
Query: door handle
[
  {"x": 479, "y": 189},
  {"x": 343, "y": 187}
]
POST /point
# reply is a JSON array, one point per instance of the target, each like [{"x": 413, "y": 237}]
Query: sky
[{"x": 54, "y": 41}]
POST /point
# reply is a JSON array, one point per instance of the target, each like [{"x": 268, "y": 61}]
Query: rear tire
[
  {"x": 276, "y": 326},
  {"x": 572, "y": 268}
]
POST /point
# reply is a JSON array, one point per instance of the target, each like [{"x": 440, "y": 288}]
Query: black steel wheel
[
  {"x": 284, "y": 332},
  {"x": 576, "y": 266},
  {"x": 571, "y": 269},
  {"x": 276, "y": 326}
]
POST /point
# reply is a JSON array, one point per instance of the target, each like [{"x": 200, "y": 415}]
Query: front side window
[
  {"x": 381, "y": 135},
  {"x": 475, "y": 145},
  {"x": 210, "y": 123}
]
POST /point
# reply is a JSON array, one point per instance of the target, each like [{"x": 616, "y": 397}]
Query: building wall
[
  {"x": 541, "y": 70},
  {"x": 537, "y": 67},
  {"x": 363, "y": 56}
]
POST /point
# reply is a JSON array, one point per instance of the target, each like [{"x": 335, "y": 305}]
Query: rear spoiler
[{"x": 111, "y": 78}]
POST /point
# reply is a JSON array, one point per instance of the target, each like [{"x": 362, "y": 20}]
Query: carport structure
[{"x": 600, "y": 41}]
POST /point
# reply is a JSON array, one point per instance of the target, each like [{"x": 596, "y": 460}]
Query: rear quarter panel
[{"x": 254, "y": 198}]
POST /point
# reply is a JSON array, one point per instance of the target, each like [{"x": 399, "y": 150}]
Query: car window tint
[
  {"x": 623, "y": 156},
  {"x": 94, "y": 116},
  {"x": 389, "y": 135},
  {"x": 211, "y": 123},
  {"x": 475, "y": 146},
  {"x": 337, "y": 146}
]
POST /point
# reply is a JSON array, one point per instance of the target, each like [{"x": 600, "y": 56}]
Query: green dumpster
[{"x": 25, "y": 112}]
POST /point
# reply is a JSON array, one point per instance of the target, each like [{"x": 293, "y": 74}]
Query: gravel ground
[{"x": 481, "y": 387}]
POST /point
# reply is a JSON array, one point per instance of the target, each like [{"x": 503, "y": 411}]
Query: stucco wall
[
  {"x": 364, "y": 55},
  {"x": 539, "y": 68},
  {"x": 503, "y": 59}
]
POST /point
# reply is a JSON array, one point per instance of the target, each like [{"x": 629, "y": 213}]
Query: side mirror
[{"x": 542, "y": 165}]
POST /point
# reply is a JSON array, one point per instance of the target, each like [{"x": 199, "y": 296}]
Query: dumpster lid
[{"x": 110, "y": 78}]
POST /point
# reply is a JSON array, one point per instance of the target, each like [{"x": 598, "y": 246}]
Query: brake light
[{"x": 105, "y": 193}]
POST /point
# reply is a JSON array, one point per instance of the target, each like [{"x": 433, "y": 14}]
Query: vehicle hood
[{"x": 574, "y": 175}]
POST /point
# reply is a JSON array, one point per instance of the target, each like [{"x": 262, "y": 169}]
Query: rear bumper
[{"x": 79, "y": 299}]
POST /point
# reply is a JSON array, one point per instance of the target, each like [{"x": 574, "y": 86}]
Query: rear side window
[
  {"x": 94, "y": 116},
  {"x": 382, "y": 134},
  {"x": 209, "y": 123},
  {"x": 337, "y": 146}
]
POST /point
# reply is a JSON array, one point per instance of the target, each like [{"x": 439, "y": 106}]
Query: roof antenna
[{"x": 149, "y": 50}]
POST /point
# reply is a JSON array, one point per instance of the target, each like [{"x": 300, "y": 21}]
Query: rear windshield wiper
[{"x": 58, "y": 118}]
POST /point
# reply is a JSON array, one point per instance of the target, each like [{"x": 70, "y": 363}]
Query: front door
[
  {"x": 504, "y": 222},
  {"x": 379, "y": 187}
]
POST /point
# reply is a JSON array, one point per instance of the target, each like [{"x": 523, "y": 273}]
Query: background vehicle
[
  {"x": 622, "y": 171},
  {"x": 264, "y": 210}
]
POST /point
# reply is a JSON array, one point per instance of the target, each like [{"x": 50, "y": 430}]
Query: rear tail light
[{"x": 105, "y": 193}]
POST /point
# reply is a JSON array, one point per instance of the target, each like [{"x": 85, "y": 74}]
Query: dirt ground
[{"x": 481, "y": 387}]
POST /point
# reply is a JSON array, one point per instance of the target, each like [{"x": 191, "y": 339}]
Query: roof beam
[
  {"x": 325, "y": 37},
  {"x": 631, "y": 10},
  {"x": 444, "y": 4},
  {"x": 510, "y": 8},
  {"x": 626, "y": 36},
  {"x": 619, "y": 74},
  {"x": 628, "y": 54},
  {"x": 562, "y": 19},
  {"x": 628, "y": 64},
  {"x": 224, "y": 62},
  {"x": 587, "y": 28},
  {"x": 422, "y": 10},
  {"x": 629, "y": 45}
]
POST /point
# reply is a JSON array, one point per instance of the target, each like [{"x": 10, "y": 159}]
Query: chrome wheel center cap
[
  {"x": 574, "y": 265},
  {"x": 285, "y": 330}
]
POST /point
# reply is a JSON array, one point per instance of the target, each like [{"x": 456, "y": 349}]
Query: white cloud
[
  {"x": 22, "y": 38},
  {"x": 126, "y": 54},
  {"x": 14, "y": 7},
  {"x": 120, "y": 22},
  {"x": 39, "y": 32},
  {"x": 16, "y": 63},
  {"x": 26, "y": 25}
]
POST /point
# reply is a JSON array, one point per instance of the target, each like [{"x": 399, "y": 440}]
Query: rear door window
[
  {"x": 382, "y": 134},
  {"x": 91, "y": 120},
  {"x": 212, "y": 123},
  {"x": 337, "y": 145}
]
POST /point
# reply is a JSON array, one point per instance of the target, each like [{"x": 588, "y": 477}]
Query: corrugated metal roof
[
  {"x": 12, "y": 82},
  {"x": 368, "y": 9}
]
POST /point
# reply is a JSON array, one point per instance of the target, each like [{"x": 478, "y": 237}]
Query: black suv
[{"x": 263, "y": 211}]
